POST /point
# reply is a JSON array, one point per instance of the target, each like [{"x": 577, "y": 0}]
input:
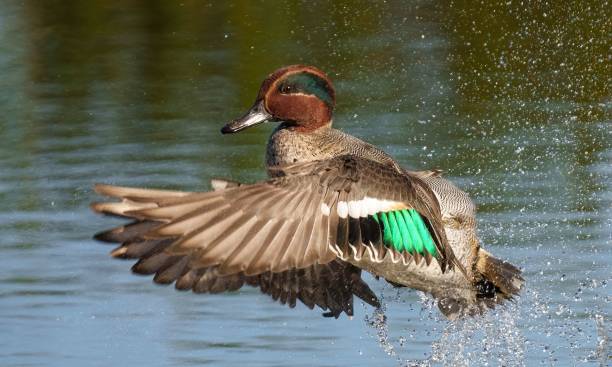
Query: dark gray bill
[{"x": 256, "y": 115}]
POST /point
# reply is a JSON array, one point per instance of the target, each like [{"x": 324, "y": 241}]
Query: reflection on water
[{"x": 513, "y": 102}]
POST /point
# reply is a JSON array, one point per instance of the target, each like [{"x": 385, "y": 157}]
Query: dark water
[{"x": 512, "y": 101}]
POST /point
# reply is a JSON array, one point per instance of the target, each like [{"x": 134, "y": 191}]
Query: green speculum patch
[{"x": 405, "y": 230}]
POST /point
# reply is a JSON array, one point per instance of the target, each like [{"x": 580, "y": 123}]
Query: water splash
[
  {"x": 560, "y": 331},
  {"x": 555, "y": 332},
  {"x": 480, "y": 340},
  {"x": 378, "y": 322},
  {"x": 602, "y": 352}
]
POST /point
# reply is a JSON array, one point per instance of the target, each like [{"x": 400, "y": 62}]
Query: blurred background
[{"x": 511, "y": 100}]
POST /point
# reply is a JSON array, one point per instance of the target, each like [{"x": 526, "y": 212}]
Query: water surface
[{"x": 512, "y": 102}]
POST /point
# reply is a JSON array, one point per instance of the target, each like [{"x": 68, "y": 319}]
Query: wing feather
[{"x": 275, "y": 225}]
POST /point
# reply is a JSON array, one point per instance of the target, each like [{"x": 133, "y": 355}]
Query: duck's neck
[
  {"x": 305, "y": 128},
  {"x": 288, "y": 145}
]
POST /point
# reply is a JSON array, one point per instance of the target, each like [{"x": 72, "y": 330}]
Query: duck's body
[
  {"x": 287, "y": 146},
  {"x": 334, "y": 205}
]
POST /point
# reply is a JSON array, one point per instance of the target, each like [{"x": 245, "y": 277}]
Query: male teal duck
[{"x": 333, "y": 205}]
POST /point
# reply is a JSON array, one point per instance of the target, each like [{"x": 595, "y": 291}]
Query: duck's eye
[{"x": 286, "y": 89}]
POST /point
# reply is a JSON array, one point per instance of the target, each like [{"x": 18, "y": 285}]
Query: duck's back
[{"x": 288, "y": 146}]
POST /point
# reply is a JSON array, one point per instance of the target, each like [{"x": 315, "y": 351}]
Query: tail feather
[
  {"x": 497, "y": 281},
  {"x": 505, "y": 277}
]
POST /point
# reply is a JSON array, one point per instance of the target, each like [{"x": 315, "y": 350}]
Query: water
[{"x": 512, "y": 102}]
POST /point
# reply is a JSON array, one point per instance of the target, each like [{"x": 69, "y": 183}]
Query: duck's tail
[
  {"x": 496, "y": 282},
  {"x": 500, "y": 279}
]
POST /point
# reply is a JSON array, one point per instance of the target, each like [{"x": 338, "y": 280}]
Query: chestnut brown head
[{"x": 300, "y": 96}]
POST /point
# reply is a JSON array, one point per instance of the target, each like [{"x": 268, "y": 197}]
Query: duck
[{"x": 333, "y": 206}]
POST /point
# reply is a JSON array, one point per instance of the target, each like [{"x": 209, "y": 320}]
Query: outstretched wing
[
  {"x": 330, "y": 286},
  {"x": 315, "y": 213}
]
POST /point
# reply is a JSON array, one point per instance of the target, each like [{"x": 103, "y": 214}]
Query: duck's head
[{"x": 302, "y": 97}]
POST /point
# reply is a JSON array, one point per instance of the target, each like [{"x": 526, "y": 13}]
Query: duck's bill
[{"x": 256, "y": 115}]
